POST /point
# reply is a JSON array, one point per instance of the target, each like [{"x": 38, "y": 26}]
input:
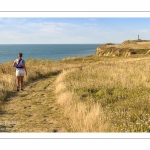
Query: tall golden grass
[
  {"x": 121, "y": 90},
  {"x": 80, "y": 116},
  {"x": 97, "y": 94}
]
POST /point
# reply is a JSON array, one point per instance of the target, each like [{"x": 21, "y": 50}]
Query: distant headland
[{"x": 125, "y": 49}]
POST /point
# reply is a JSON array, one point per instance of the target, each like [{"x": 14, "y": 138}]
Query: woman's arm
[{"x": 14, "y": 63}]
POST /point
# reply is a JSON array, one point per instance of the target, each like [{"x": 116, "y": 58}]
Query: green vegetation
[
  {"x": 109, "y": 44},
  {"x": 120, "y": 87},
  {"x": 134, "y": 41},
  {"x": 94, "y": 94}
]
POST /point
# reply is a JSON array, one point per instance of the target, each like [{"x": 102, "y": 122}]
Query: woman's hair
[{"x": 20, "y": 54}]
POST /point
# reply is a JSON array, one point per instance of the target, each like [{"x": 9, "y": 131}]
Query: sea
[{"x": 9, "y": 52}]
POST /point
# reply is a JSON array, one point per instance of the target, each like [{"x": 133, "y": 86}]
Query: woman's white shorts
[{"x": 20, "y": 72}]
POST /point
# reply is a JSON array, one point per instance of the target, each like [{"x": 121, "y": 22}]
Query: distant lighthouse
[{"x": 138, "y": 37}]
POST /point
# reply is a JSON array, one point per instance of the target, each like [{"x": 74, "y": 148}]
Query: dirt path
[{"x": 33, "y": 110}]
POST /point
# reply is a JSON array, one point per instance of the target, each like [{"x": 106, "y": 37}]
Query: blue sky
[{"x": 72, "y": 30}]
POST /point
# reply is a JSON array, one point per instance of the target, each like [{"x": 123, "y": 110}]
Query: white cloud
[
  {"x": 144, "y": 31},
  {"x": 44, "y": 31}
]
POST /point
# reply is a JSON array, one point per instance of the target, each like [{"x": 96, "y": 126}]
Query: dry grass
[
  {"x": 138, "y": 45},
  {"x": 36, "y": 69},
  {"x": 97, "y": 94},
  {"x": 81, "y": 116},
  {"x": 144, "y": 43},
  {"x": 121, "y": 87}
]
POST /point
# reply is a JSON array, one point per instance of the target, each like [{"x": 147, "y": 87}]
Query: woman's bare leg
[
  {"x": 21, "y": 82},
  {"x": 17, "y": 82}
]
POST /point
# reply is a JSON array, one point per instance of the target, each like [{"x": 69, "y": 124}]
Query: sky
[{"x": 72, "y": 30}]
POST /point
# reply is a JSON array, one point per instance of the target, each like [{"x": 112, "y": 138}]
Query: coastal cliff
[{"x": 125, "y": 49}]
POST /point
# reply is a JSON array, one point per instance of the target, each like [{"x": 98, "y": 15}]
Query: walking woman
[{"x": 20, "y": 71}]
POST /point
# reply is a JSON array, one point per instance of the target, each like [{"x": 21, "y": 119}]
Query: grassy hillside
[
  {"x": 113, "y": 91},
  {"x": 126, "y": 49},
  {"x": 96, "y": 94}
]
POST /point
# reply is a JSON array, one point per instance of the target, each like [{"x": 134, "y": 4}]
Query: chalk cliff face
[
  {"x": 126, "y": 49},
  {"x": 114, "y": 51}
]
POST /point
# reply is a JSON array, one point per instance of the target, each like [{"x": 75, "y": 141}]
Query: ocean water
[{"x": 45, "y": 51}]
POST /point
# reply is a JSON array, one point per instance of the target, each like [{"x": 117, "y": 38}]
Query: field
[{"x": 93, "y": 94}]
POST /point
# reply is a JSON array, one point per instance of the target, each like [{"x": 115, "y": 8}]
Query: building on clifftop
[{"x": 138, "y": 38}]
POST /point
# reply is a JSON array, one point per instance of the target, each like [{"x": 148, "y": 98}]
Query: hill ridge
[{"x": 125, "y": 49}]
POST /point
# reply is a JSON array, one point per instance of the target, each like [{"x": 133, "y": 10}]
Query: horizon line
[{"x": 50, "y": 43}]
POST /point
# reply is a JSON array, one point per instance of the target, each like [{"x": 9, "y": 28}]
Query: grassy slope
[
  {"x": 91, "y": 94},
  {"x": 120, "y": 87}
]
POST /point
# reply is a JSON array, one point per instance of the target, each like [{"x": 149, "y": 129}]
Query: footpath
[{"x": 33, "y": 110}]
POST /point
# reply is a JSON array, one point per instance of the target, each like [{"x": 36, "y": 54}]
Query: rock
[{"x": 126, "y": 49}]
